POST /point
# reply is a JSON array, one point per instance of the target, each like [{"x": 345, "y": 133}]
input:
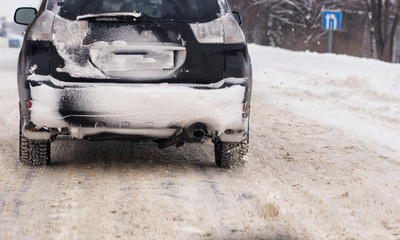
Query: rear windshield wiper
[{"x": 110, "y": 15}]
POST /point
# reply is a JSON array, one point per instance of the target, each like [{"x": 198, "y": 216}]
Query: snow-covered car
[{"x": 171, "y": 71}]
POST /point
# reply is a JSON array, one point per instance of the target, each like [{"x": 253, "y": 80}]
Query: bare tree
[
  {"x": 302, "y": 17},
  {"x": 368, "y": 27},
  {"x": 293, "y": 24},
  {"x": 255, "y": 16},
  {"x": 385, "y": 16}
]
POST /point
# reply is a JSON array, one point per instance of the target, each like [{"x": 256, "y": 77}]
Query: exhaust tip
[
  {"x": 199, "y": 133},
  {"x": 195, "y": 132}
]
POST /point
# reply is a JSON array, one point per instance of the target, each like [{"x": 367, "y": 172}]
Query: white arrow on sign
[{"x": 329, "y": 18}]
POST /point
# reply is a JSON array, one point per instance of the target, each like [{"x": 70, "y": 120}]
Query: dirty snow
[{"x": 314, "y": 171}]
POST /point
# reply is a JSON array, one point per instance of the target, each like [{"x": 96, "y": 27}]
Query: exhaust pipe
[
  {"x": 195, "y": 133},
  {"x": 174, "y": 140},
  {"x": 198, "y": 134}
]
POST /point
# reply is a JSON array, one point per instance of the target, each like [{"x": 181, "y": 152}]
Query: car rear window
[{"x": 168, "y": 10}]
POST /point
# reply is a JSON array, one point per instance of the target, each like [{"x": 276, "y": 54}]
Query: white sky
[{"x": 8, "y": 7}]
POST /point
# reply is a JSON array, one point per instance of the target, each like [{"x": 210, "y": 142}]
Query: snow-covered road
[{"x": 324, "y": 163}]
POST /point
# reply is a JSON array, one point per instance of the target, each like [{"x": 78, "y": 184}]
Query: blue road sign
[
  {"x": 13, "y": 43},
  {"x": 331, "y": 20}
]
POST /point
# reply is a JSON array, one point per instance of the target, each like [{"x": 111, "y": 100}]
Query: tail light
[
  {"x": 223, "y": 30},
  {"x": 28, "y": 104},
  {"x": 209, "y": 32},
  {"x": 232, "y": 30},
  {"x": 42, "y": 29}
]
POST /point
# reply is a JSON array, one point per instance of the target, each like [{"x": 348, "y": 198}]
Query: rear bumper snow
[{"x": 115, "y": 107}]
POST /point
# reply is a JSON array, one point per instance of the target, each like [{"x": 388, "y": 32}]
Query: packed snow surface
[{"x": 324, "y": 163}]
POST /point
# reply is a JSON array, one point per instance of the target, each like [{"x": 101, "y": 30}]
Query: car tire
[
  {"x": 32, "y": 152},
  {"x": 230, "y": 155}
]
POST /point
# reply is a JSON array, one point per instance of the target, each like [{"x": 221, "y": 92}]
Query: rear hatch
[{"x": 134, "y": 41}]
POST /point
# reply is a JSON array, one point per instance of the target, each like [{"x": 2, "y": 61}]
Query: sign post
[{"x": 331, "y": 21}]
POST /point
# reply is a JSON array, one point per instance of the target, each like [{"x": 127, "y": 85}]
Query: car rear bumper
[{"x": 146, "y": 110}]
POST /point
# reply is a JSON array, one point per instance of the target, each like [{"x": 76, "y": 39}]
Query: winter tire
[
  {"x": 34, "y": 153},
  {"x": 230, "y": 155},
  {"x": 31, "y": 152}
]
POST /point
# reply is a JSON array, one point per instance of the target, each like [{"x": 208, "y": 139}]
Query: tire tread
[
  {"x": 34, "y": 153},
  {"x": 230, "y": 155}
]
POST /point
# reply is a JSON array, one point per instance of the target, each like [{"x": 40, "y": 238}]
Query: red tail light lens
[{"x": 28, "y": 104}]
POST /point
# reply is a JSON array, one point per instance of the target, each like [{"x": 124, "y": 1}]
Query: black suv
[{"x": 171, "y": 71}]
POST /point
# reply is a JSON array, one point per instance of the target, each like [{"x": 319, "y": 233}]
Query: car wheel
[
  {"x": 33, "y": 153},
  {"x": 230, "y": 155}
]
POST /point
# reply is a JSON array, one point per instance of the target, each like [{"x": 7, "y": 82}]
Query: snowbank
[
  {"x": 383, "y": 76},
  {"x": 360, "y": 96}
]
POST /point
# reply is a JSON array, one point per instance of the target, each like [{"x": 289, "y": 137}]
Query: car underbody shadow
[{"x": 116, "y": 154}]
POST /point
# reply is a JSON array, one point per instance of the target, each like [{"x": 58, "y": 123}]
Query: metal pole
[{"x": 330, "y": 41}]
